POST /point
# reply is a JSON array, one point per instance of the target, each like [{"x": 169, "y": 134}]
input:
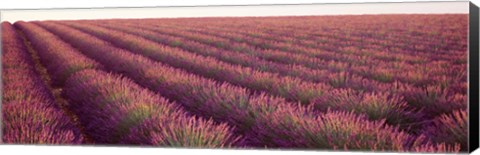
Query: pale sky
[{"x": 232, "y": 11}]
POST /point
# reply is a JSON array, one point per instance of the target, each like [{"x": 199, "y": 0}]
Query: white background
[
  {"x": 64, "y": 150},
  {"x": 235, "y": 11},
  {"x": 229, "y": 11},
  {"x": 26, "y": 4}
]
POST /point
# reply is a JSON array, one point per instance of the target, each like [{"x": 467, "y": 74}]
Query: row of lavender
[{"x": 29, "y": 111}]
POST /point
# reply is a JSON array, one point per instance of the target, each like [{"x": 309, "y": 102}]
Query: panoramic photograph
[{"x": 378, "y": 78}]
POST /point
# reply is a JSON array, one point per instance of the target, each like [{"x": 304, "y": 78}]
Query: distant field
[{"x": 367, "y": 82}]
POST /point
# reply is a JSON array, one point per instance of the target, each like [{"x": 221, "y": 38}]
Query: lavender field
[{"x": 358, "y": 83}]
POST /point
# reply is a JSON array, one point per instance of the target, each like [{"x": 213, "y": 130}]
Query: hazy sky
[{"x": 229, "y": 11}]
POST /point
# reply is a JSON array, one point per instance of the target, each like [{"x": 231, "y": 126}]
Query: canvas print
[{"x": 373, "y": 82}]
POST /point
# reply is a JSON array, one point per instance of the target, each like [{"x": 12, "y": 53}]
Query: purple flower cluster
[
  {"x": 29, "y": 112},
  {"x": 60, "y": 59},
  {"x": 114, "y": 110}
]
